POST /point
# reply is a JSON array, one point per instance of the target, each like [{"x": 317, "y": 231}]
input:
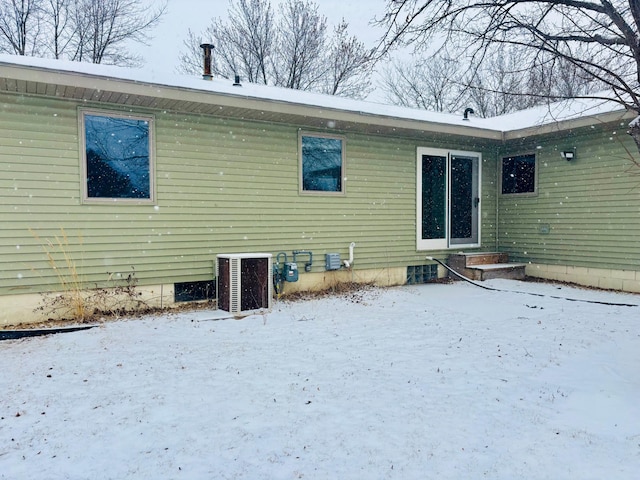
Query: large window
[
  {"x": 321, "y": 163},
  {"x": 518, "y": 174},
  {"x": 117, "y": 157}
]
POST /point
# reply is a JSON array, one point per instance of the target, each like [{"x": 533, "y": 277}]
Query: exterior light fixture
[{"x": 568, "y": 155}]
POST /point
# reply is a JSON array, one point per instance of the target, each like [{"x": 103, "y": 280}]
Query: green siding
[
  {"x": 591, "y": 204},
  {"x": 222, "y": 186}
]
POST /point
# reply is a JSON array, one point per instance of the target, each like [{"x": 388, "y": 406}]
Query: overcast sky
[{"x": 163, "y": 53}]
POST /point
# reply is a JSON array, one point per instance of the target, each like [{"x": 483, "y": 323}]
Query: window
[
  {"x": 194, "y": 291},
  {"x": 518, "y": 174},
  {"x": 322, "y": 163},
  {"x": 117, "y": 157}
]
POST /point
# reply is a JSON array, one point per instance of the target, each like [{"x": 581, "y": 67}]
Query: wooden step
[
  {"x": 485, "y": 265},
  {"x": 479, "y": 258},
  {"x": 514, "y": 271}
]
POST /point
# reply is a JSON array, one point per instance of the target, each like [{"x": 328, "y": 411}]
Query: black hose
[
  {"x": 462, "y": 277},
  {"x": 16, "y": 334}
]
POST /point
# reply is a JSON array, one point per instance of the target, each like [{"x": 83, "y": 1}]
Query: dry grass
[
  {"x": 72, "y": 299},
  {"x": 348, "y": 290}
]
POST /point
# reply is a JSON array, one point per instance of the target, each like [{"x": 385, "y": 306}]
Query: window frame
[
  {"x": 150, "y": 119},
  {"x": 343, "y": 177},
  {"x": 535, "y": 175}
]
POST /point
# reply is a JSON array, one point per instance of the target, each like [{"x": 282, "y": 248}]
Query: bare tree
[
  {"x": 101, "y": 28},
  {"x": 250, "y": 33},
  {"x": 59, "y": 19},
  {"x": 190, "y": 61},
  {"x": 349, "y": 65},
  {"x": 600, "y": 38},
  {"x": 243, "y": 46},
  {"x": 300, "y": 41},
  {"x": 432, "y": 84},
  {"x": 291, "y": 49},
  {"x": 83, "y": 30},
  {"x": 486, "y": 95},
  {"x": 499, "y": 85},
  {"x": 20, "y": 26}
]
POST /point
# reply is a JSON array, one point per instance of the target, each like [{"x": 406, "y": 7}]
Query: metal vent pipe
[{"x": 208, "y": 49}]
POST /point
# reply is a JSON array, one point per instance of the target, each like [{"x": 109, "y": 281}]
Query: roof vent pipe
[
  {"x": 236, "y": 82},
  {"x": 468, "y": 111},
  {"x": 208, "y": 48}
]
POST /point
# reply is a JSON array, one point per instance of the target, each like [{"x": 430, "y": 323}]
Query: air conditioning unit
[{"x": 244, "y": 282}]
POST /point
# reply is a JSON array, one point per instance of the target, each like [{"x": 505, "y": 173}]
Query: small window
[
  {"x": 322, "y": 163},
  {"x": 194, "y": 291},
  {"x": 117, "y": 157},
  {"x": 519, "y": 174},
  {"x": 419, "y": 274}
]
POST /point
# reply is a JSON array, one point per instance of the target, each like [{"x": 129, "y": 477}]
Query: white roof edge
[
  {"x": 551, "y": 116},
  {"x": 513, "y": 125}
]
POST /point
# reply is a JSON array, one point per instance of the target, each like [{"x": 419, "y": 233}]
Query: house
[{"x": 112, "y": 176}]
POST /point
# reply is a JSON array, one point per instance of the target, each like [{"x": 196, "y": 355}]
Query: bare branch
[{"x": 290, "y": 48}]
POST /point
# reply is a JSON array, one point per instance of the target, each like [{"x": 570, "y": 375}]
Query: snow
[
  {"x": 157, "y": 79},
  {"x": 428, "y": 381},
  {"x": 557, "y": 112}
]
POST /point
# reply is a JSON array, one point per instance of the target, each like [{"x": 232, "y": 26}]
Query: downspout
[{"x": 498, "y": 193}]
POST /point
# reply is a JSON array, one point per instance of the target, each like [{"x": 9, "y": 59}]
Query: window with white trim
[
  {"x": 117, "y": 157},
  {"x": 448, "y": 199}
]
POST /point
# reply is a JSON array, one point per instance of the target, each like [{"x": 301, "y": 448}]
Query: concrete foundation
[
  {"x": 40, "y": 308},
  {"x": 37, "y": 308},
  {"x": 623, "y": 280}
]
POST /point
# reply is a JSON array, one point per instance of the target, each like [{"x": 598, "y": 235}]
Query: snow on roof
[
  {"x": 555, "y": 112},
  {"x": 548, "y": 114}
]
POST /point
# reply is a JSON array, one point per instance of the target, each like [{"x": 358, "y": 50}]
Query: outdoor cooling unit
[{"x": 244, "y": 282}]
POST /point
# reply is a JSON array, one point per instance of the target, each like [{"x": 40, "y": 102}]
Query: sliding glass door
[{"x": 448, "y": 199}]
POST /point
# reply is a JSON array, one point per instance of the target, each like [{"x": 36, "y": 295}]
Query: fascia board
[{"x": 93, "y": 82}]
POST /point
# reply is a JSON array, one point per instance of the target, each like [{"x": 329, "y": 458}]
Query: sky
[{"x": 164, "y": 50}]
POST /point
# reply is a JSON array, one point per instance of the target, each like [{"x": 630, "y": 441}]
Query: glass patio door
[
  {"x": 448, "y": 199},
  {"x": 464, "y": 200}
]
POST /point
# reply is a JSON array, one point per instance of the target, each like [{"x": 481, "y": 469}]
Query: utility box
[
  {"x": 244, "y": 282},
  {"x": 290, "y": 271},
  {"x": 332, "y": 261}
]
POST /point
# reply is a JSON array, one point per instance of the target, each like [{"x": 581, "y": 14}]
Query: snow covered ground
[{"x": 431, "y": 381}]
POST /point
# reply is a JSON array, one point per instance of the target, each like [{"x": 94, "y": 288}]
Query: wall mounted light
[{"x": 568, "y": 155}]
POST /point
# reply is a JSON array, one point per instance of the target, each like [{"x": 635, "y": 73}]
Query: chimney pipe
[{"x": 208, "y": 48}]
